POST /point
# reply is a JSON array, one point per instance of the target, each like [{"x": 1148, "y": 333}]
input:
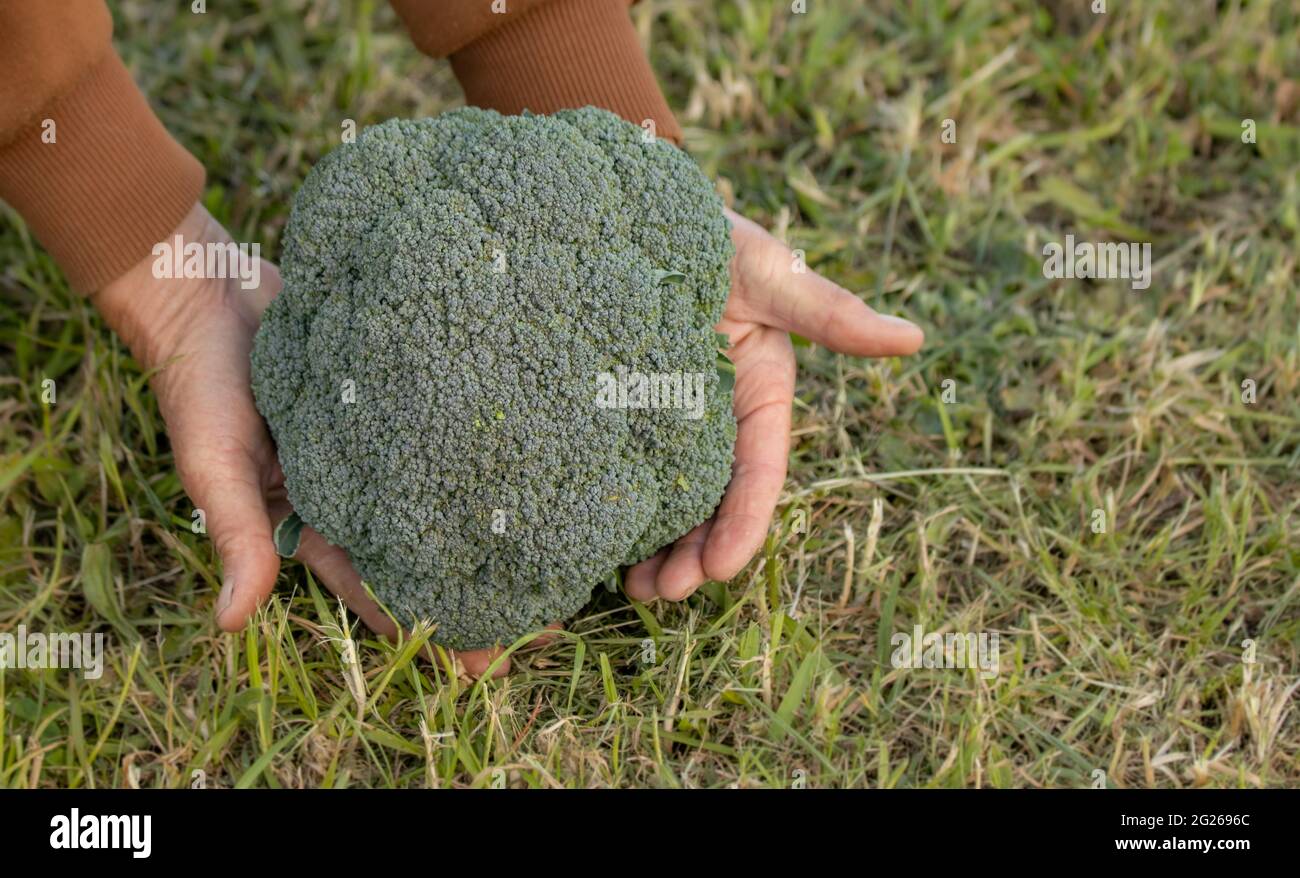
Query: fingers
[
  {"x": 639, "y": 581},
  {"x": 477, "y": 661},
  {"x": 267, "y": 288},
  {"x": 771, "y": 289},
  {"x": 229, "y": 491},
  {"x": 720, "y": 547},
  {"x": 683, "y": 570},
  {"x": 764, "y": 393},
  {"x": 334, "y": 570},
  {"x": 544, "y": 639}
]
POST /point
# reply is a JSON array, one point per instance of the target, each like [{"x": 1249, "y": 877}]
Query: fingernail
[
  {"x": 897, "y": 321},
  {"x": 226, "y": 596}
]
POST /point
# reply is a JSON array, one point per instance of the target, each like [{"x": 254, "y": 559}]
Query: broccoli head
[{"x": 492, "y": 373}]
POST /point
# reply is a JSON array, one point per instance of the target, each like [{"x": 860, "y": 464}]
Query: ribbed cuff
[
  {"x": 561, "y": 55},
  {"x": 111, "y": 185},
  {"x": 440, "y": 28}
]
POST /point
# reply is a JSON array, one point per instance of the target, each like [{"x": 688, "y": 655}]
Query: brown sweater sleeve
[
  {"x": 99, "y": 181},
  {"x": 542, "y": 55},
  {"x": 83, "y": 159}
]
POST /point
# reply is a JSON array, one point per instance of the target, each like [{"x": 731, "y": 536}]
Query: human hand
[
  {"x": 768, "y": 300},
  {"x": 197, "y": 334}
]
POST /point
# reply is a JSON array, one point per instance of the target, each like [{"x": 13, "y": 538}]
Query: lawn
[{"x": 1104, "y": 477}]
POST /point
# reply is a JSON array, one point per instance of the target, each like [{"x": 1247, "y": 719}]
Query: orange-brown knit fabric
[
  {"x": 112, "y": 182},
  {"x": 543, "y": 56},
  {"x": 45, "y": 49},
  {"x": 111, "y": 185},
  {"x": 440, "y": 27}
]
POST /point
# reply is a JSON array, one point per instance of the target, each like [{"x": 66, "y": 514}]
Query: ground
[{"x": 1108, "y": 483}]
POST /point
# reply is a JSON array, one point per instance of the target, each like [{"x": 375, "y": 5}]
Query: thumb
[
  {"x": 777, "y": 290},
  {"x": 232, "y": 499}
]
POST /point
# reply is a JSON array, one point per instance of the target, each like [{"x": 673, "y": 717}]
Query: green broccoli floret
[{"x": 465, "y": 299}]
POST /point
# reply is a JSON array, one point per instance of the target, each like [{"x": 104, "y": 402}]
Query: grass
[{"x": 1121, "y": 652}]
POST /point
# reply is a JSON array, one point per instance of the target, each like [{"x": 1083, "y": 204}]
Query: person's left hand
[
  {"x": 768, "y": 300},
  {"x": 194, "y": 337}
]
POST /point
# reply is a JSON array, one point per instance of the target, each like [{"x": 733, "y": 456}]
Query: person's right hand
[
  {"x": 197, "y": 335},
  {"x": 768, "y": 301}
]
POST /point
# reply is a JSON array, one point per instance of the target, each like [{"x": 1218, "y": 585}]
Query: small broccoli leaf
[
  {"x": 613, "y": 582},
  {"x": 726, "y": 375},
  {"x": 288, "y": 535},
  {"x": 668, "y": 277},
  {"x": 723, "y": 340}
]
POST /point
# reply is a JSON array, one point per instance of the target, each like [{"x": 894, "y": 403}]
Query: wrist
[{"x": 150, "y": 313}]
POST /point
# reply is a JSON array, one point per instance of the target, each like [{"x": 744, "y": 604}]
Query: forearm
[{"x": 148, "y": 314}]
